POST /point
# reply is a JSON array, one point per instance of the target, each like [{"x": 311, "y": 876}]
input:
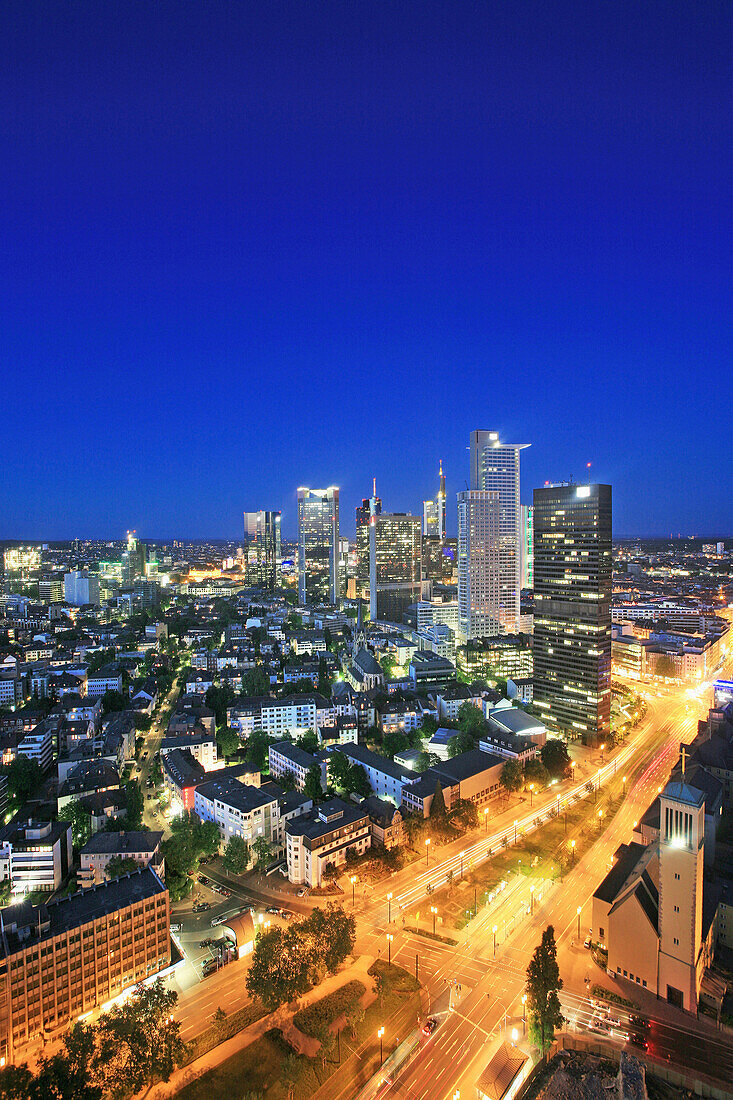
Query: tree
[
  {"x": 429, "y": 725},
  {"x": 80, "y": 820},
  {"x": 554, "y": 755},
  {"x": 339, "y": 770},
  {"x": 227, "y": 742},
  {"x": 536, "y": 772},
  {"x": 437, "y": 806},
  {"x": 139, "y": 1041},
  {"x": 471, "y": 720},
  {"x": 257, "y": 749},
  {"x": 143, "y": 722},
  {"x": 113, "y": 701},
  {"x": 394, "y": 741},
  {"x": 543, "y": 984},
  {"x": 236, "y": 856},
  {"x": 309, "y": 742},
  {"x": 135, "y": 804},
  {"x": 219, "y": 698},
  {"x": 465, "y": 812},
  {"x": 287, "y": 781},
  {"x": 24, "y": 775},
  {"x": 290, "y": 1073},
  {"x": 511, "y": 776},
  {"x": 324, "y": 680},
  {"x": 120, "y": 865},
  {"x": 460, "y": 742},
  {"x": 312, "y": 787},
  {"x": 359, "y": 781},
  {"x": 262, "y": 852},
  {"x": 220, "y": 1020}
]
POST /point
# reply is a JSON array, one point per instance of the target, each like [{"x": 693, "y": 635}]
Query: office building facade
[
  {"x": 527, "y": 547},
  {"x": 318, "y": 545},
  {"x": 80, "y": 589},
  {"x": 363, "y": 512},
  {"x": 478, "y": 564},
  {"x": 495, "y": 468},
  {"x": 262, "y": 530},
  {"x": 395, "y": 564},
  {"x": 572, "y": 620}
]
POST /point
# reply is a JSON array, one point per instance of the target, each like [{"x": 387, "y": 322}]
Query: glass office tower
[
  {"x": 395, "y": 564},
  {"x": 318, "y": 545}
]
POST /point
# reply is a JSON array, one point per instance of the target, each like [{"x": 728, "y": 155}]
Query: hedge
[{"x": 316, "y": 1017}]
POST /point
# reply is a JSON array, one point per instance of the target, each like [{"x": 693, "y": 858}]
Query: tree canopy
[
  {"x": 512, "y": 775},
  {"x": 80, "y": 820},
  {"x": 555, "y": 757},
  {"x": 236, "y": 856},
  {"x": 543, "y": 984}
]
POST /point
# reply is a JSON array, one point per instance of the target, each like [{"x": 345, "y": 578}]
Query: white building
[
  {"x": 479, "y": 580},
  {"x": 238, "y": 810},
  {"x": 38, "y": 745},
  {"x": 434, "y": 613},
  {"x": 100, "y": 683},
  {"x": 495, "y": 468},
  {"x": 81, "y": 589},
  {"x": 324, "y": 836},
  {"x": 438, "y": 639}
]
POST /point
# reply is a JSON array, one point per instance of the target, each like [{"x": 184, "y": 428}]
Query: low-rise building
[
  {"x": 428, "y": 670},
  {"x": 386, "y": 821},
  {"x": 40, "y": 854},
  {"x": 474, "y": 776},
  {"x": 324, "y": 836},
  {"x": 238, "y": 810},
  {"x": 95, "y": 856},
  {"x": 284, "y": 758},
  {"x": 386, "y": 778},
  {"x": 181, "y": 774},
  {"x": 198, "y": 742}
]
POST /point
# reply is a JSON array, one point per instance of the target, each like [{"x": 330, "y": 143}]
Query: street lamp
[
  {"x": 515, "y": 1036},
  {"x": 352, "y": 880},
  {"x": 494, "y": 931},
  {"x": 572, "y": 849},
  {"x": 579, "y": 911},
  {"x": 486, "y": 820},
  {"x": 623, "y": 786},
  {"x": 524, "y": 1012},
  {"x": 603, "y": 745},
  {"x": 380, "y": 1033},
  {"x": 434, "y": 911},
  {"x": 600, "y": 815},
  {"x": 389, "y": 948},
  {"x": 531, "y": 792},
  {"x": 427, "y": 851},
  {"x": 531, "y": 900},
  {"x": 389, "y": 908}
]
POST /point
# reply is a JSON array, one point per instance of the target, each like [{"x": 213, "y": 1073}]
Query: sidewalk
[{"x": 281, "y": 1018}]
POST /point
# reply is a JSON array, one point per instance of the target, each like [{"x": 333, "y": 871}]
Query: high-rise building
[
  {"x": 478, "y": 564},
  {"x": 572, "y": 609},
  {"x": 434, "y": 510},
  {"x": 318, "y": 540},
  {"x": 527, "y": 546},
  {"x": 495, "y": 468},
  {"x": 363, "y": 511},
  {"x": 395, "y": 564},
  {"x": 262, "y": 530},
  {"x": 80, "y": 589},
  {"x": 134, "y": 559},
  {"x": 343, "y": 565}
]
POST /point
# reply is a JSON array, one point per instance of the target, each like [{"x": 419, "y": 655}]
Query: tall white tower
[
  {"x": 478, "y": 564},
  {"x": 681, "y": 864},
  {"x": 495, "y": 468}
]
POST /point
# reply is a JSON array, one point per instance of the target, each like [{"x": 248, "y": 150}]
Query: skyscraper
[
  {"x": 478, "y": 564},
  {"x": 434, "y": 510},
  {"x": 363, "y": 511},
  {"x": 134, "y": 559},
  {"x": 441, "y": 502},
  {"x": 395, "y": 564},
  {"x": 495, "y": 468},
  {"x": 262, "y": 530},
  {"x": 572, "y": 609},
  {"x": 318, "y": 539},
  {"x": 430, "y": 519},
  {"x": 527, "y": 547}
]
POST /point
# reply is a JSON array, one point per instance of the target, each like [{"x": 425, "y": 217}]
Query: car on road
[
  {"x": 217, "y": 920},
  {"x": 175, "y": 928},
  {"x": 273, "y": 909},
  {"x": 301, "y": 893},
  {"x": 638, "y": 1039},
  {"x": 286, "y": 914},
  {"x": 208, "y": 942},
  {"x": 430, "y": 1025},
  {"x": 201, "y": 907},
  {"x": 210, "y": 967},
  {"x": 203, "y": 880},
  {"x": 586, "y": 941}
]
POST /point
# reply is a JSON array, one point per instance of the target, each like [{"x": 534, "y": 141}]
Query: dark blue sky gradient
[{"x": 251, "y": 246}]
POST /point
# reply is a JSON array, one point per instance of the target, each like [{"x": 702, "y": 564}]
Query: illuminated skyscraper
[
  {"x": 434, "y": 510},
  {"x": 262, "y": 530},
  {"x": 495, "y": 468},
  {"x": 395, "y": 564},
  {"x": 318, "y": 542},
  {"x": 134, "y": 559},
  {"x": 441, "y": 502},
  {"x": 527, "y": 546},
  {"x": 572, "y": 609},
  {"x": 363, "y": 512},
  {"x": 478, "y": 564}
]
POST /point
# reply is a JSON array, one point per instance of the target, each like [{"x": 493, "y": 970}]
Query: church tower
[{"x": 681, "y": 863}]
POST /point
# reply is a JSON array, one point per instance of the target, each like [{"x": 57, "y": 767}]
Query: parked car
[
  {"x": 216, "y": 920},
  {"x": 273, "y": 909},
  {"x": 175, "y": 928},
  {"x": 301, "y": 893},
  {"x": 586, "y": 941}
]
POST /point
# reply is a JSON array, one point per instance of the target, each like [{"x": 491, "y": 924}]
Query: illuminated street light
[
  {"x": 515, "y": 1036},
  {"x": 486, "y": 819},
  {"x": 600, "y": 815},
  {"x": 572, "y": 849},
  {"x": 352, "y": 880},
  {"x": 623, "y": 787},
  {"x": 579, "y": 911},
  {"x": 524, "y": 1012},
  {"x": 380, "y": 1033},
  {"x": 531, "y": 900},
  {"x": 434, "y": 911},
  {"x": 389, "y": 907},
  {"x": 531, "y": 793},
  {"x": 389, "y": 948},
  {"x": 515, "y": 830},
  {"x": 462, "y": 855},
  {"x": 602, "y": 748},
  {"x": 427, "y": 851}
]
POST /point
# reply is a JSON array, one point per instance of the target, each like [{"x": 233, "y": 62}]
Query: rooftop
[{"x": 104, "y": 843}]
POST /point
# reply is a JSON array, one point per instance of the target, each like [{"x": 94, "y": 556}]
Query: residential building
[
  {"x": 385, "y": 777},
  {"x": 435, "y": 612},
  {"x": 474, "y": 776},
  {"x": 479, "y": 575},
  {"x": 395, "y": 565},
  {"x": 572, "y": 609},
  {"x": 143, "y": 847},
  {"x": 324, "y": 836},
  {"x": 284, "y": 758},
  {"x": 64, "y": 959},
  {"x": 428, "y": 670},
  {"x": 318, "y": 538},
  {"x": 38, "y": 744},
  {"x": 107, "y": 679},
  {"x": 495, "y": 468},
  {"x": 438, "y": 639},
  {"x": 181, "y": 775},
  {"x": 198, "y": 742},
  {"x": 386, "y": 821},
  {"x": 238, "y": 810}
]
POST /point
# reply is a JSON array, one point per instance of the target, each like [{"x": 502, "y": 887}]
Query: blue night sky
[{"x": 249, "y": 246}]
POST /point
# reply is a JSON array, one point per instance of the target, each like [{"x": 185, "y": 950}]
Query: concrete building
[
  {"x": 386, "y": 778},
  {"x": 238, "y": 810},
  {"x": 474, "y": 776},
  {"x": 324, "y": 836},
  {"x": 62, "y": 960},
  {"x": 95, "y": 856},
  {"x": 264, "y": 556},
  {"x": 395, "y": 565},
  {"x": 526, "y": 551},
  {"x": 80, "y": 589},
  {"x": 285, "y": 758},
  {"x": 479, "y": 577},
  {"x": 198, "y": 742},
  {"x": 495, "y": 468},
  {"x": 438, "y": 639},
  {"x": 318, "y": 539},
  {"x": 40, "y": 854}
]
